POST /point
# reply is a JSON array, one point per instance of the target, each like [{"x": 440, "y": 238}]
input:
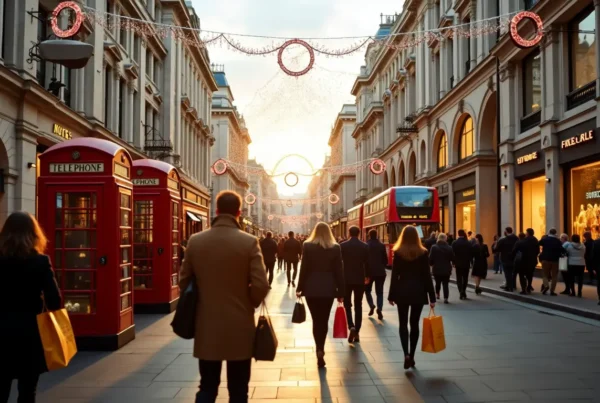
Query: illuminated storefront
[
  {"x": 531, "y": 195},
  {"x": 465, "y": 195}
]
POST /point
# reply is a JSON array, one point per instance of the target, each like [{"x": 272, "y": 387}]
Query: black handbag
[
  {"x": 184, "y": 321},
  {"x": 299, "y": 315},
  {"x": 265, "y": 341}
]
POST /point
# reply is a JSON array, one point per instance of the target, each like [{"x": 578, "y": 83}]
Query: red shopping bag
[{"x": 340, "y": 324}]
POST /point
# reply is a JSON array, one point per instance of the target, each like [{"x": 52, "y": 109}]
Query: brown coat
[{"x": 228, "y": 267}]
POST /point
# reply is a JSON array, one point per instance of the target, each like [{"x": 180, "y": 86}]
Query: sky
[{"x": 288, "y": 116}]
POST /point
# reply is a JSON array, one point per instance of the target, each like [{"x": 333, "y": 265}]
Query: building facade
[
  {"x": 131, "y": 92},
  {"x": 265, "y": 190}
]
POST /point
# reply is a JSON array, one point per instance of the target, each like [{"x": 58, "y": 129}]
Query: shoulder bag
[
  {"x": 265, "y": 340},
  {"x": 184, "y": 321}
]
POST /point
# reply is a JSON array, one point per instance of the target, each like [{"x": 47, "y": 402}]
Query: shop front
[
  {"x": 580, "y": 160},
  {"x": 531, "y": 185},
  {"x": 465, "y": 195},
  {"x": 196, "y": 207},
  {"x": 444, "y": 208}
]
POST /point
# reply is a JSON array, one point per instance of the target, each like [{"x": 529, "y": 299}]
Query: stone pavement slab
[{"x": 497, "y": 351}]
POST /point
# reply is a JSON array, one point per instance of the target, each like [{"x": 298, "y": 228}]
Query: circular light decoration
[
  {"x": 250, "y": 199},
  {"x": 514, "y": 31},
  {"x": 270, "y": 217},
  {"x": 289, "y": 203},
  {"x": 333, "y": 198},
  {"x": 61, "y": 33},
  {"x": 377, "y": 166},
  {"x": 311, "y": 54},
  {"x": 219, "y": 167},
  {"x": 319, "y": 216},
  {"x": 293, "y": 182}
]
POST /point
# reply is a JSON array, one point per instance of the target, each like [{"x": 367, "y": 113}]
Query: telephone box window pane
[
  {"x": 174, "y": 281},
  {"x": 125, "y": 200},
  {"x": 79, "y": 219},
  {"x": 80, "y": 239},
  {"x": 57, "y": 259},
  {"x": 144, "y": 207},
  {"x": 80, "y": 200},
  {"x": 125, "y": 240},
  {"x": 125, "y": 286},
  {"x": 175, "y": 237},
  {"x": 142, "y": 251},
  {"x": 175, "y": 267},
  {"x": 78, "y": 280},
  {"x": 79, "y": 303},
  {"x": 58, "y": 218},
  {"x": 125, "y": 218},
  {"x": 58, "y": 239},
  {"x": 125, "y": 271},
  {"x": 125, "y": 301},
  {"x": 175, "y": 250},
  {"x": 125, "y": 258},
  {"x": 142, "y": 282},
  {"x": 142, "y": 266},
  {"x": 80, "y": 259},
  {"x": 142, "y": 237},
  {"x": 59, "y": 200}
]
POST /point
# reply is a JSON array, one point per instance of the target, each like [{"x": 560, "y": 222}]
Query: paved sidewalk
[{"x": 497, "y": 351}]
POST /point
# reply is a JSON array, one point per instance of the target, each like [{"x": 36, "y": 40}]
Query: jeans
[
  {"x": 442, "y": 281},
  {"x": 550, "y": 270},
  {"x": 508, "y": 275},
  {"x": 379, "y": 281},
  {"x": 320, "y": 309},
  {"x": 497, "y": 265},
  {"x": 576, "y": 272},
  {"x": 358, "y": 290},
  {"x": 288, "y": 266},
  {"x": 270, "y": 267},
  {"x": 462, "y": 279},
  {"x": 27, "y": 387},
  {"x": 238, "y": 376},
  {"x": 415, "y": 317}
]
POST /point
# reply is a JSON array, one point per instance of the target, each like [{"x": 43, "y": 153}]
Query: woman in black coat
[
  {"x": 321, "y": 281},
  {"x": 481, "y": 252},
  {"x": 411, "y": 287},
  {"x": 441, "y": 258},
  {"x": 26, "y": 276}
]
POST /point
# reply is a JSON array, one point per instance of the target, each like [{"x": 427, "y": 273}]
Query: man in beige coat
[{"x": 228, "y": 267}]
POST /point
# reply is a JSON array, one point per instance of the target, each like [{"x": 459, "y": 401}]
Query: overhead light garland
[{"x": 251, "y": 199}]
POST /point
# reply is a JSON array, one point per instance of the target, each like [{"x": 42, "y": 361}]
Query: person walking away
[
  {"x": 589, "y": 253},
  {"x": 596, "y": 265},
  {"x": 227, "y": 265},
  {"x": 463, "y": 256},
  {"x": 441, "y": 258},
  {"x": 430, "y": 241},
  {"x": 450, "y": 239},
  {"x": 497, "y": 264},
  {"x": 321, "y": 281},
  {"x": 566, "y": 275},
  {"x": 505, "y": 247},
  {"x": 378, "y": 261},
  {"x": 292, "y": 250},
  {"x": 576, "y": 255},
  {"x": 411, "y": 287},
  {"x": 481, "y": 252},
  {"x": 529, "y": 248},
  {"x": 471, "y": 239},
  {"x": 357, "y": 273},
  {"x": 280, "y": 254},
  {"x": 552, "y": 250},
  {"x": 28, "y": 276},
  {"x": 268, "y": 247},
  {"x": 518, "y": 267}
]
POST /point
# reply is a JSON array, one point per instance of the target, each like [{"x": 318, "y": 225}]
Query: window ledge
[{"x": 578, "y": 110}]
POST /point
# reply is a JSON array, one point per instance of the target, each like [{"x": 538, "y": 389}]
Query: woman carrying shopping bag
[
  {"x": 411, "y": 288},
  {"x": 26, "y": 276},
  {"x": 321, "y": 281}
]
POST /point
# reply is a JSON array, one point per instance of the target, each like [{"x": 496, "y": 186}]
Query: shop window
[
  {"x": 585, "y": 200},
  {"x": 4, "y": 17},
  {"x": 107, "y": 94},
  {"x": 532, "y": 83},
  {"x": 466, "y": 142},
  {"x": 582, "y": 33},
  {"x": 530, "y": 3},
  {"x": 442, "y": 154},
  {"x": 42, "y": 35},
  {"x": 533, "y": 205},
  {"x": 122, "y": 92},
  {"x": 466, "y": 216}
]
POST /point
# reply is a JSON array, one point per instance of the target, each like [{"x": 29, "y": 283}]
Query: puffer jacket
[{"x": 576, "y": 253}]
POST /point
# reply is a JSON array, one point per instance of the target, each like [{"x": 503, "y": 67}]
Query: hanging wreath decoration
[
  {"x": 219, "y": 167},
  {"x": 270, "y": 217},
  {"x": 61, "y": 33},
  {"x": 377, "y": 166},
  {"x": 319, "y": 215},
  {"x": 293, "y": 182},
  {"x": 289, "y": 203},
  {"x": 311, "y": 54},
  {"x": 514, "y": 31},
  {"x": 333, "y": 198},
  {"x": 250, "y": 199}
]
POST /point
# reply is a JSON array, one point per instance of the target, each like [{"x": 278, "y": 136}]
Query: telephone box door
[{"x": 146, "y": 215}]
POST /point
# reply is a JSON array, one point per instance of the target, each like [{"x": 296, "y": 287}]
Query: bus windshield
[
  {"x": 414, "y": 203},
  {"x": 424, "y": 230}
]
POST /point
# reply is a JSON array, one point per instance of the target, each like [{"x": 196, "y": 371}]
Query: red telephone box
[
  {"x": 156, "y": 236},
  {"x": 85, "y": 198}
]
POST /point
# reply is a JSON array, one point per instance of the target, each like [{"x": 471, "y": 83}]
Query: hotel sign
[
  {"x": 61, "y": 132},
  {"x": 146, "y": 182},
  {"x": 576, "y": 140},
  {"x": 528, "y": 158},
  {"x": 77, "y": 167}
]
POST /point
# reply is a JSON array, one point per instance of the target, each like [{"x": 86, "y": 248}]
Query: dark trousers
[
  {"x": 520, "y": 272},
  {"x": 442, "y": 281},
  {"x": 508, "y": 275},
  {"x": 320, "y": 309},
  {"x": 279, "y": 263},
  {"x": 415, "y": 317},
  {"x": 379, "y": 281},
  {"x": 462, "y": 279},
  {"x": 358, "y": 290},
  {"x": 288, "y": 267},
  {"x": 270, "y": 267},
  {"x": 497, "y": 265},
  {"x": 529, "y": 275},
  {"x": 238, "y": 376},
  {"x": 575, "y": 275},
  {"x": 27, "y": 387}
]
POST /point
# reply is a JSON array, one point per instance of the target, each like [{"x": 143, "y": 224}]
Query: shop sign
[
  {"x": 146, "y": 182},
  {"x": 61, "y": 131},
  {"x": 576, "y": 140},
  {"x": 77, "y": 167},
  {"x": 468, "y": 193},
  {"x": 528, "y": 158},
  {"x": 593, "y": 195}
]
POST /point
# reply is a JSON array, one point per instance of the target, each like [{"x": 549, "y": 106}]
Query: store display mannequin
[
  {"x": 580, "y": 222},
  {"x": 542, "y": 211}
]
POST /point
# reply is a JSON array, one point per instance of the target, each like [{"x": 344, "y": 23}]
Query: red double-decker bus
[
  {"x": 355, "y": 218},
  {"x": 397, "y": 207}
]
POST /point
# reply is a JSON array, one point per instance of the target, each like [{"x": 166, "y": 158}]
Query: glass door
[
  {"x": 175, "y": 244},
  {"x": 125, "y": 230},
  {"x": 143, "y": 237}
]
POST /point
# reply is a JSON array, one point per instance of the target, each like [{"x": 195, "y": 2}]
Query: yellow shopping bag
[
  {"x": 57, "y": 337},
  {"x": 434, "y": 340}
]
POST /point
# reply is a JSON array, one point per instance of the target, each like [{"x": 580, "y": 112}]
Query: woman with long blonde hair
[
  {"x": 411, "y": 288},
  {"x": 321, "y": 281}
]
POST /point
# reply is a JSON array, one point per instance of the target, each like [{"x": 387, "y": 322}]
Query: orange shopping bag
[
  {"x": 57, "y": 337},
  {"x": 434, "y": 340}
]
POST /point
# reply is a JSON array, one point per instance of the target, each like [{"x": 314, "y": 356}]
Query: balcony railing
[
  {"x": 530, "y": 121},
  {"x": 156, "y": 144},
  {"x": 581, "y": 95}
]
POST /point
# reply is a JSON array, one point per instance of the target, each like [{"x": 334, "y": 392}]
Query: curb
[{"x": 546, "y": 304}]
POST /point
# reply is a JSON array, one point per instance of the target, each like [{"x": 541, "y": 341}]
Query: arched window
[
  {"x": 442, "y": 157},
  {"x": 467, "y": 135}
]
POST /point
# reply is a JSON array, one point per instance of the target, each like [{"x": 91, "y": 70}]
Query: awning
[{"x": 192, "y": 217}]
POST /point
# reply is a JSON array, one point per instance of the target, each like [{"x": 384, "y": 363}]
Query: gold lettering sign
[
  {"x": 173, "y": 184},
  {"x": 78, "y": 167},
  {"x": 527, "y": 158},
  {"x": 573, "y": 141},
  {"x": 121, "y": 171},
  {"x": 467, "y": 193},
  {"x": 146, "y": 182},
  {"x": 61, "y": 132}
]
